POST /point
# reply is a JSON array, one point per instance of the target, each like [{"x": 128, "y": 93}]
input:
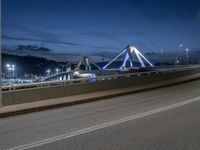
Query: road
[{"x": 166, "y": 118}]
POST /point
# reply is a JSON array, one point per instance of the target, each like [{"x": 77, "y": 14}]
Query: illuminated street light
[
  {"x": 177, "y": 61},
  {"x": 187, "y": 54},
  {"x": 11, "y": 68},
  {"x": 48, "y": 72},
  {"x": 57, "y": 70},
  {"x": 180, "y": 48},
  {"x": 8, "y": 65}
]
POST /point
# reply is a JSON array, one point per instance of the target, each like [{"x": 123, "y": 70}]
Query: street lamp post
[
  {"x": 187, "y": 55},
  {"x": 177, "y": 61},
  {"x": 57, "y": 70},
  {"x": 11, "y": 68},
  {"x": 13, "y": 71},
  {"x": 48, "y": 72},
  {"x": 180, "y": 48}
]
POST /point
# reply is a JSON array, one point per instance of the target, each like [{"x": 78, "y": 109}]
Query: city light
[
  {"x": 11, "y": 68},
  {"x": 187, "y": 55},
  {"x": 178, "y": 55},
  {"x": 180, "y": 46},
  {"x": 8, "y": 65},
  {"x": 48, "y": 71},
  {"x": 57, "y": 70}
]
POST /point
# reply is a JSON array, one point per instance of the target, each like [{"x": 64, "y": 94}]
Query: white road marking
[{"x": 108, "y": 124}]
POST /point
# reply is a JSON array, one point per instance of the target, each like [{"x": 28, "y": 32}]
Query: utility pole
[{"x": 187, "y": 54}]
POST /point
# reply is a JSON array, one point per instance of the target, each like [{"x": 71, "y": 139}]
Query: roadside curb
[{"x": 20, "y": 109}]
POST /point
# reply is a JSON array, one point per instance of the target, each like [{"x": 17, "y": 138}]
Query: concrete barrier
[{"x": 44, "y": 93}]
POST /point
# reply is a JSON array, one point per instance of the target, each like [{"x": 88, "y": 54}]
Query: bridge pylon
[
  {"x": 128, "y": 52},
  {"x": 87, "y": 62}
]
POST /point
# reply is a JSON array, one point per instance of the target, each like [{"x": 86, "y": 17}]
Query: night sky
[{"x": 68, "y": 29}]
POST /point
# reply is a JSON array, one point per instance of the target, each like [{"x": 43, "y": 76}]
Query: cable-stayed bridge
[{"x": 126, "y": 56}]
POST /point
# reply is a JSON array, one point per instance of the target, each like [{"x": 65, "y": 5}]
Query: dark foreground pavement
[{"x": 167, "y": 118}]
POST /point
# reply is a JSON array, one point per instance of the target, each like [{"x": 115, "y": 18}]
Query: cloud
[
  {"x": 33, "y": 48},
  {"x": 56, "y": 42},
  {"x": 40, "y": 40},
  {"x": 38, "y": 32},
  {"x": 21, "y": 33},
  {"x": 41, "y": 51}
]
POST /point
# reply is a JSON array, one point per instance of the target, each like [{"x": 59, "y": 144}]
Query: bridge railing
[{"x": 86, "y": 80}]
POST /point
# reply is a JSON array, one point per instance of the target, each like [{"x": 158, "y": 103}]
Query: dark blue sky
[{"x": 72, "y": 28}]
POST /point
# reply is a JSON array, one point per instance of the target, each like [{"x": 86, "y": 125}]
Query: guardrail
[
  {"x": 84, "y": 80},
  {"x": 19, "y": 94}
]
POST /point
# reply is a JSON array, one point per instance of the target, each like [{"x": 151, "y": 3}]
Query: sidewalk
[{"x": 18, "y": 109}]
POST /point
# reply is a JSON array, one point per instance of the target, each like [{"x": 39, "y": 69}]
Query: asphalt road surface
[{"x": 162, "y": 119}]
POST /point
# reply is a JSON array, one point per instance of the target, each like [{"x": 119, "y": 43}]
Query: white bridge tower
[{"x": 129, "y": 51}]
